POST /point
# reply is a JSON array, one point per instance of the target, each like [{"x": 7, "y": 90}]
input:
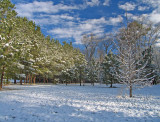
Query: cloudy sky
[{"x": 70, "y": 19}]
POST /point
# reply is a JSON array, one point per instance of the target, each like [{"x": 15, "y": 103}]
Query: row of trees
[{"x": 26, "y": 54}]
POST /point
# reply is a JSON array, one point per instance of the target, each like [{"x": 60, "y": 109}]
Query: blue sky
[{"x": 69, "y": 19}]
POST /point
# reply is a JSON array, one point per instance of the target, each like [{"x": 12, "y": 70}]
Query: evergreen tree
[
  {"x": 108, "y": 66},
  {"x": 7, "y": 17}
]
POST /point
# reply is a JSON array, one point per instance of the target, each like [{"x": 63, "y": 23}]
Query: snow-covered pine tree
[{"x": 7, "y": 16}]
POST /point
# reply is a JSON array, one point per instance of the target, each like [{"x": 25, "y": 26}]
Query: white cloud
[
  {"x": 93, "y": 3},
  {"x": 96, "y": 21},
  {"x": 127, "y": 6},
  {"x": 151, "y": 3},
  {"x": 29, "y": 9},
  {"x": 131, "y": 16},
  {"x": 63, "y": 32},
  {"x": 115, "y": 21},
  {"x": 66, "y": 26},
  {"x": 64, "y": 16},
  {"x": 42, "y": 21},
  {"x": 106, "y": 3},
  {"x": 53, "y": 19},
  {"x": 155, "y": 17},
  {"x": 76, "y": 30},
  {"x": 142, "y": 8}
]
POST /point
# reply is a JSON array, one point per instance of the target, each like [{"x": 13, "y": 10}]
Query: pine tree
[
  {"x": 7, "y": 16},
  {"x": 109, "y": 64}
]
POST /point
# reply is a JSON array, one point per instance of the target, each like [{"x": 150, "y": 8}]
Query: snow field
[{"x": 59, "y": 103}]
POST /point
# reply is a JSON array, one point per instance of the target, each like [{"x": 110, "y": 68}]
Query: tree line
[{"x": 26, "y": 54}]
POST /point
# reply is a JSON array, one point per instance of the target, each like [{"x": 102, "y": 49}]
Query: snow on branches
[{"x": 133, "y": 56}]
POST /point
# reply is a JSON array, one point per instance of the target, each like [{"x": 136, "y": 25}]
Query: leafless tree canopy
[{"x": 133, "y": 41}]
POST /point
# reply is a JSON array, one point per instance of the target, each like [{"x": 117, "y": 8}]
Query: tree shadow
[{"x": 13, "y": 112}]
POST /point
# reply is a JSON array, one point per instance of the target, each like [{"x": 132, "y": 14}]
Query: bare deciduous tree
[
  {"x": 90, "y": 42},
  {"x": 132, "y": 41}
]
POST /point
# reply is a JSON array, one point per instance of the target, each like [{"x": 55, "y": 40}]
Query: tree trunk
[
  {"x": 34, "y": 80},
  {"x": 83, "y": 82},
  {"x": 26, "y": 79},
  {"x": 80, "y": 78},
  {"x": 111, "y": 85},
  {"x": 15, "y": 82},
  {"x": 2, "y": 78},
  {"x": 93, "y": 83},
  {"x": 31, "y": 79},
  {"x": 39, "y": 79},
  {"x": 44, "y": 80},
  {"x": 20, "y": 81},
  {"x": 111, "y": 82},
  {"x": 130, "y": 90}
]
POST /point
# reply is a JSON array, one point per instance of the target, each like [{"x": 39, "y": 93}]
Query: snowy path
[{"x": 58, "y": 103}]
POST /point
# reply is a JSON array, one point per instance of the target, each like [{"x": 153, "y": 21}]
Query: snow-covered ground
[{"x": 59, "y": 103}]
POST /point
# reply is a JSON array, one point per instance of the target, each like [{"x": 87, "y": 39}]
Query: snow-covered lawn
[{"x": 59, "y": 103}]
